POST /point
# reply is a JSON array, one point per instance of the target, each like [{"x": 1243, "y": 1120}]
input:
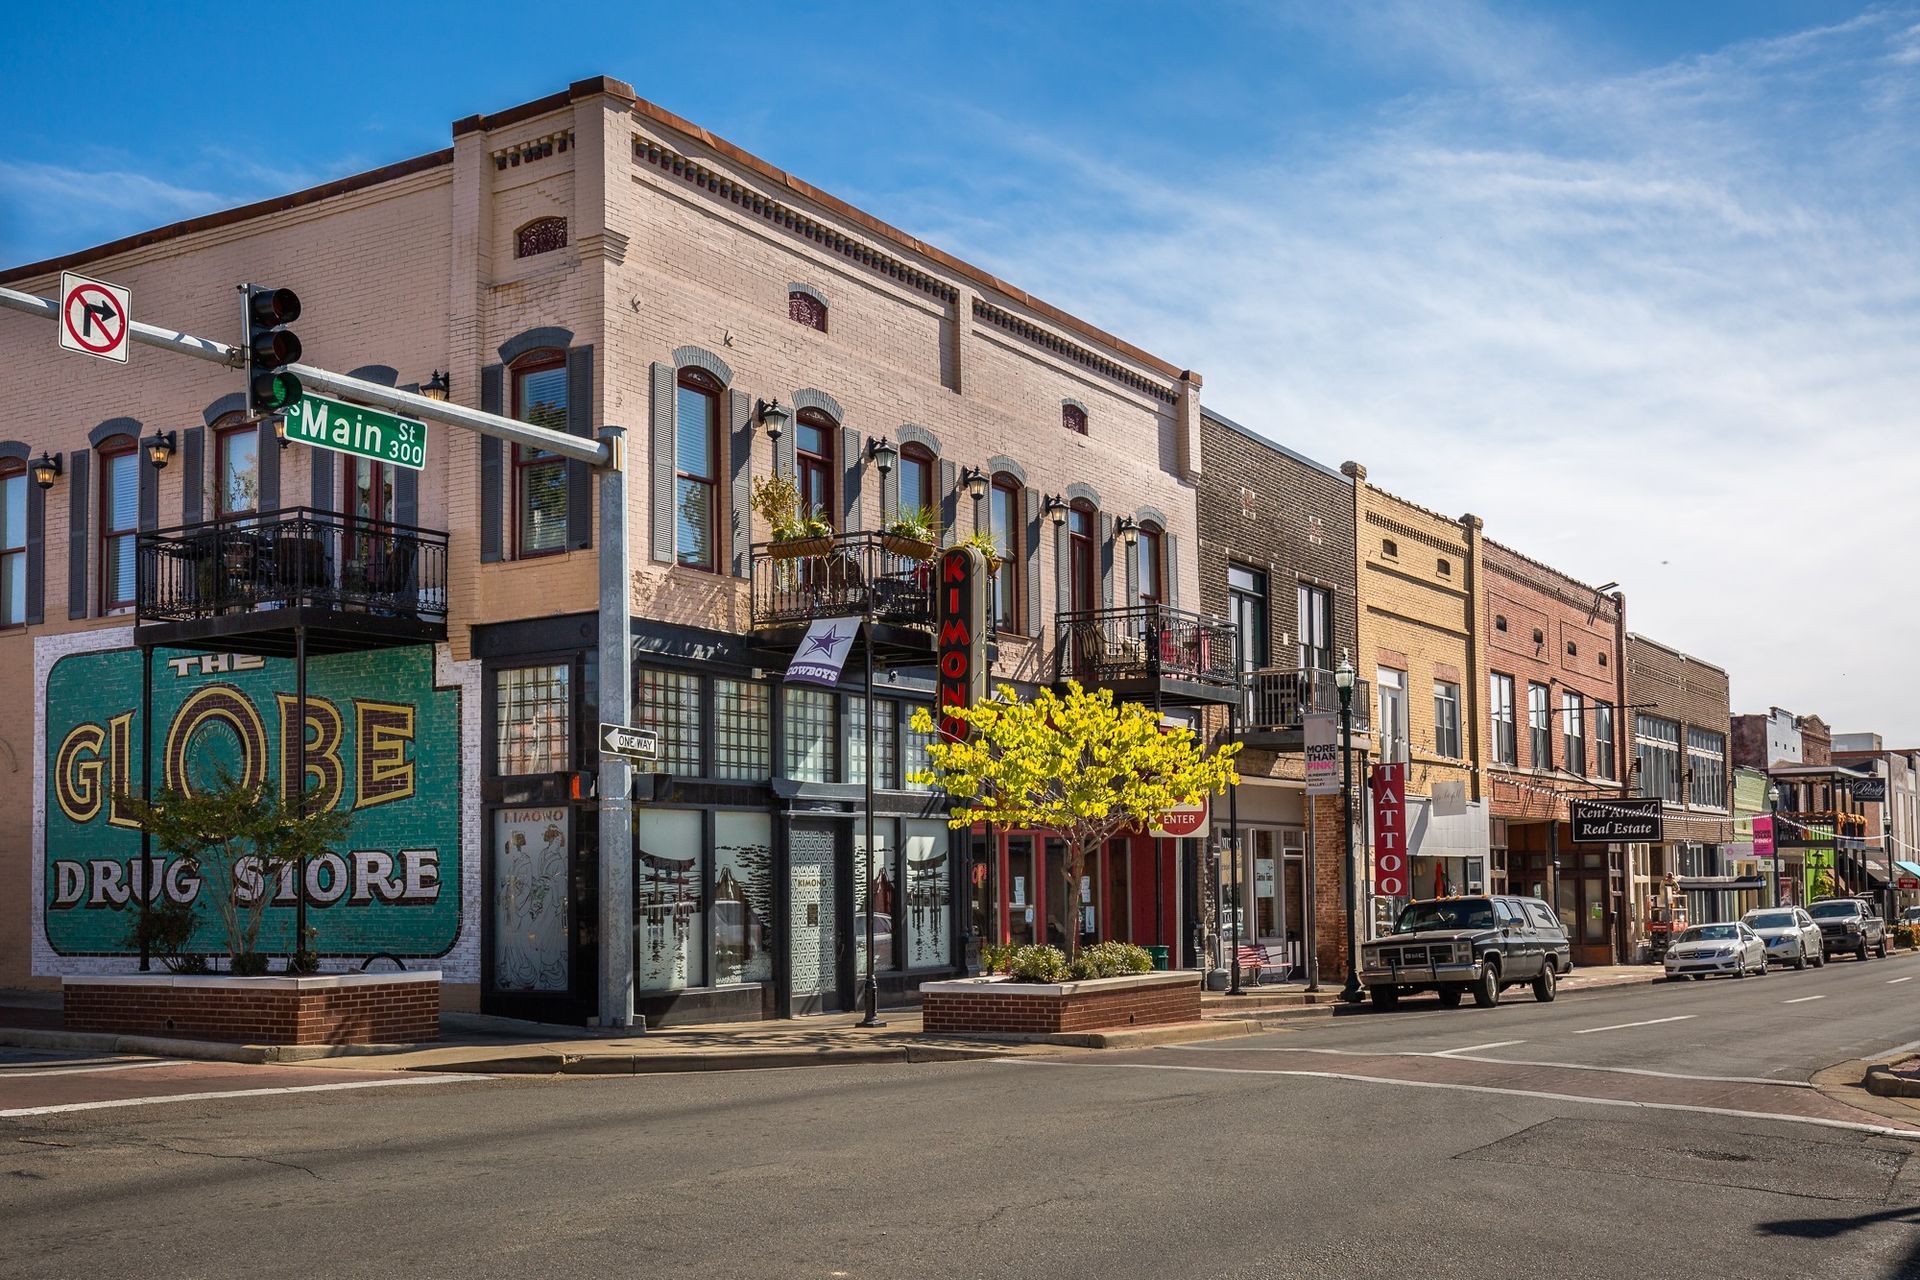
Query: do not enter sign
[
  {"x": 95, "y": 317},
  {"x": 1183, "y": 820}
]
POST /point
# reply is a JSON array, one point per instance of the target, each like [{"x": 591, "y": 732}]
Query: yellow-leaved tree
[{"x": 1079, "y": 765}]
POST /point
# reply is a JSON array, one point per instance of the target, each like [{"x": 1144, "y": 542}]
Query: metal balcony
[
  {"x": 848, "y": 575},
  {"x": 1150, "y": 653},
  {"x": 250, "y": 583},
  {"x": 1279, "y": 699}
]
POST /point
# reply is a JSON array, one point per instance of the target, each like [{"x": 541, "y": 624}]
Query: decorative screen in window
[
  {"x": 531, "y": 715},
  {"x": 542, "y": 235},
  {"x": 668, "y": 702},
  {"x": 804, "y": 308},
  {"x": 743, "y": 731},
  {"x": 1073, "y": 418}
]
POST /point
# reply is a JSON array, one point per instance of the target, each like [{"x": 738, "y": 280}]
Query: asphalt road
[{"x": 1392, "y": 1155}]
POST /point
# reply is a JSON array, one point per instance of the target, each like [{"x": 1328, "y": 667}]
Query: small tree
[
  {"x": 238, "y": 838},
  {"x": 1080, "y": 766}
]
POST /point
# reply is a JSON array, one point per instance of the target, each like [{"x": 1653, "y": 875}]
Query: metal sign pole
[{"x": 615, "y": 661}]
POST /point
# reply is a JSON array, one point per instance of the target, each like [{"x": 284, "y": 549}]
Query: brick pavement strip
[{"x": 21, "y": 1091}]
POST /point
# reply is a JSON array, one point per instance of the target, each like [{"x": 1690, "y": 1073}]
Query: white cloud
[{"x": 1656, "y": 324}]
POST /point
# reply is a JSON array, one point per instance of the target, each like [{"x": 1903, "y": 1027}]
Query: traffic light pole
[{"x": 615, "y": 667}]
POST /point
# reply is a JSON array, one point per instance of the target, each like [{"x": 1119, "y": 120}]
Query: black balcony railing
[
  {"x": 1147, "y": 643},
  {"x": 298, "y": 558},
  {"x": 1279, "y": 699},
  {"x": 842, "y": 576}
]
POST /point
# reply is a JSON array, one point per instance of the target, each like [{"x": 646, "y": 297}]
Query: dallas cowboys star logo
[{"x": 827, "y": 641}]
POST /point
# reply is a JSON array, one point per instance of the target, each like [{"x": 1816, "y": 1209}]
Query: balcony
[
  {"x": 1819, "y": 828},
  {"x": 1149, "y": 654},
  {"x": 1279, "y": 700},
  {"x": 251, "y": 584},
  {"x": 848, "y": 575}
]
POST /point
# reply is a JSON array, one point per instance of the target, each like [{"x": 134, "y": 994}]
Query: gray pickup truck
[
  {"x": 1476, "y": 946},
  {"x": 1849, "y": 926}
]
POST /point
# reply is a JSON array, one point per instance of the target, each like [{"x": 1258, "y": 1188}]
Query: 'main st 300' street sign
[{"x": 356, "y": 430}]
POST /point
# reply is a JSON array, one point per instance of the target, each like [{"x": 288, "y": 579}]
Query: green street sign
[{"x": 357, "y": 430}]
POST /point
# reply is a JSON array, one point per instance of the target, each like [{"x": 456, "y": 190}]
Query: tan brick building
[{"x": 590, "y": 258}]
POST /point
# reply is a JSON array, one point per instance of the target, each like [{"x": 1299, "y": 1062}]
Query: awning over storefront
[
  {"x": 1708, "y": 884},
  {"x": 1909, "y": 869}
]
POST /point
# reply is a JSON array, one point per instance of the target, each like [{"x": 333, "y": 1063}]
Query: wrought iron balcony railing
[
  {"x": 294, "y": 558},
  {"x": 842, "y": 576},
  {"x": 1148, "y": 642},
  {"x": 1280, "y": 699}
]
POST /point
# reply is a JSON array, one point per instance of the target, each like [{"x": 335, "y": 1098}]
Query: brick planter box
[
  {"x": 999, "y": 1006},
  {"x": 334, "y": 1008}
]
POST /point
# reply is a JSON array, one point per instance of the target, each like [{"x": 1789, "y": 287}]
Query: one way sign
[{"x": 623, "y": 740}]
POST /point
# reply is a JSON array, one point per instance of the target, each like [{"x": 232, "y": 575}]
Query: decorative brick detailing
[
  {"x": 533, "y": 149},
  {"x": 1001, "y": 318},
  {"x": 333, "y": 1009},
  {"x": 994, "y": 1006}
]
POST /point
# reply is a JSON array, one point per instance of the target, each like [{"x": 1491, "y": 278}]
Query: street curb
[
  {"x": 1882, "y": 1082},
  {"x": 196, "y": 1050},
  {"x": 625, "y": 1064}
]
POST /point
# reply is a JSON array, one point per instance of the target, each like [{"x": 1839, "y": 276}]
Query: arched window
[
  {"x": 13, "y": 542},
  {"x": 1009, "y": 593},
  {"x": 813, "y": 434},
  {"x": 236, "y": 466},
  {"x": 1083, "y": 556},
  {"x": 807, "y": 308},
  {"x": 540, "y": 476},
  {"x": 119, "y": 520},
  {"x": 917, "y": 465},
  {"x": 542, "y": 235},
  {"x": 696, "y": 473},
  {"x": 1150, "y": 556},
  {"x": 1073, "y": 417}
]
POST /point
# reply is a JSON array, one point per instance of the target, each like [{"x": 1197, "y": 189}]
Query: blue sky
[{"x": 1639, "y": 283}]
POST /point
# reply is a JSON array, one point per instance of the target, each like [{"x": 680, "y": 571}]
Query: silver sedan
[
  {"x": 1730, "y": 949},
  {"x": 1790, "y": 934}
]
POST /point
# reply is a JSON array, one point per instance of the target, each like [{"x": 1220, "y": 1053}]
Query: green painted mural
[{"x": 382, "y": 743}]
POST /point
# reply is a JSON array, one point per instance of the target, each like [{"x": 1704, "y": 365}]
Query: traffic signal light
[{"x": 271, "y": 347}]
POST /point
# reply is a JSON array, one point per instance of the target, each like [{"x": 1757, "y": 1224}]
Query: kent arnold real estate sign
[{"x": 1628, "y": 821}]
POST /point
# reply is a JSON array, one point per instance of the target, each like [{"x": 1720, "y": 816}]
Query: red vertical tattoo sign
[
  {"x": 962, "y": 651},
  {"x": 1390, "y": 830}
]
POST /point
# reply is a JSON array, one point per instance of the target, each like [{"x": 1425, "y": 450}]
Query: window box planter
[
  {"x": 332, "y": 1008},
  {"x": 795, "y": 548},
  {"x": 908, "y": 548},
  {"x": 1000, "y": 1006}
]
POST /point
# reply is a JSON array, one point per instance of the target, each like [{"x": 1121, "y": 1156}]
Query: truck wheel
[
  {"x": 1545, "y": 988},
  {"x": 1861, "y": 954},
  {"x": 1384, "y": 998},
  {"x": 1882, "y": 951},
  {"x": 1486, "y": 992},
  {"x": 1450, "y": 997}
]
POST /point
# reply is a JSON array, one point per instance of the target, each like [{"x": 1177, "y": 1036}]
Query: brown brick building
[
  {"x": 1555, "y": 685},
  {"x": 1277, "y": 561}
]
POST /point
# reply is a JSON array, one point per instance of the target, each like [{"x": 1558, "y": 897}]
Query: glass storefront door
[
  {"x": 1021, "y": 890},
  {"x": 811, "y": 920}
]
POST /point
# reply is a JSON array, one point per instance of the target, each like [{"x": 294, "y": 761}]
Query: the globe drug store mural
[{"x": 382, "y": 742}]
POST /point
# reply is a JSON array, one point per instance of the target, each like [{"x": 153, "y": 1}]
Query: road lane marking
[
  {"x": 1457, "y": 1055},
  {"x": 1802, "y": 999},
  {"x": 1494, "y": 1044},
  {"x": 1892, "y": 981},
  {"x": 80, "y": 1071},
  {"x": 1855, "y": 1126},
  {"x": 1650, "y": 1022},
  {"x": 236, "y": 1093}
]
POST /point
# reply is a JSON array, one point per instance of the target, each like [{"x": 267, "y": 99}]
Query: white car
[
  {"x": 1790, "y": 933},
  {"x": 1732, "y": 949}
]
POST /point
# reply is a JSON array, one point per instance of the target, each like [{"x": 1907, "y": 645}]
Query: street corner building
[{"x": 181, "y": 578}]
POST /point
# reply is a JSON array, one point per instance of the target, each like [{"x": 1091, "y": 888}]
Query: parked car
[
  {"x": 1850, "y": 926},
  {"x": 1790, "y": 934},
  {"x": 1478, "y": 944},
  {"x": 1730, "y": 949},
  {"x": 1910, "y": 917}
]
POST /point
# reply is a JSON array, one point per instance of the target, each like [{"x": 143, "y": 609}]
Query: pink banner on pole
[{"x": 1763, "y": 836}]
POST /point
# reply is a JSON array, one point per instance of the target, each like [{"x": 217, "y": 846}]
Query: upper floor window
[
  {"x": 531, "y": 718},
  {"x": 1316, "y": 627},
  {"x": 13, "y": 542},
  {"x": 1506, "y": 745},
  {"x": 1706, "y": 768},
  {"x": 696, "y": 476},
  {"x": 1446, "y": 719},
  {"x": 1009, "y": 583},
  {"x": 1603, "y": 739},
  {"x": 807, "y": 309},
  {"x": 1392, "y": 687},
  {"x": 119, "y": 520},
  {"x": 1082, "y": 563},
  {"x": 542, "y": 235},
  {"x": 1149, "y": 551},
  {"x": 813, "y": 462},
  {"x": 1539, "y": 726},
  {"x": 1073, "y": 417},
  {"x": 916, "y": 479},
  {"x": 540, "y": 476},
  {"x": 1657, "y": 749},
  {"x": 1247, "y": 609},
  {"x": 1499, "y": 622},
  {"x": 1389, "y": 548},
  {"x": 1445, "y": 567},
  {"x": 1573, "y": 710},
  {"x": 236, "y": 469}
]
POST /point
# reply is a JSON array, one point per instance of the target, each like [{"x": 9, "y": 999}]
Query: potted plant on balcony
[
  {"x": 796, "y": 531},
  {"x": 983, "y": 542},
  {"x": 912, "y": 534}
]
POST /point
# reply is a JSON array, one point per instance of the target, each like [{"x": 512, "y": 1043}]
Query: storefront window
[
  {"x": 810, "y": 739},
  {"x": 1019, "y": 891},
  {"x": 886, "y": 880},
  {"x": 529, "y": 867},
  {"x": 668, "y": 920},
  {"x": 743, "y": 884},
  {"x": 530, "y": 714},
  {"x": 743, "y": 731},
  {"x": 885, "y": 736},
  {"x": 916, "y": 759},
  {"x": 924, "y": 912},
  {"x": 668, "y": 702}
]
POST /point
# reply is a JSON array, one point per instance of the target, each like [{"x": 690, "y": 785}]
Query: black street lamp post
[{"x": 1352, "y": 993}]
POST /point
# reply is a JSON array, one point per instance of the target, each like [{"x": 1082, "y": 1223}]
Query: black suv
[
  {"x": 1458, "y": 945},
  {"x": 1849, "y": 926}
]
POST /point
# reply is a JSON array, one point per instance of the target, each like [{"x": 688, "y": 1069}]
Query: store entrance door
[{"x": 813, "y": 923}]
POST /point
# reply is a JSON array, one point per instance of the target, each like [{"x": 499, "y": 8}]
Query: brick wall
[
  {"x": 996, "y": 1008},
  {"x": 1749, "y": 742},
  {"x": 1695, "y": 693},
  {"x": 268, "y": 1011}
]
